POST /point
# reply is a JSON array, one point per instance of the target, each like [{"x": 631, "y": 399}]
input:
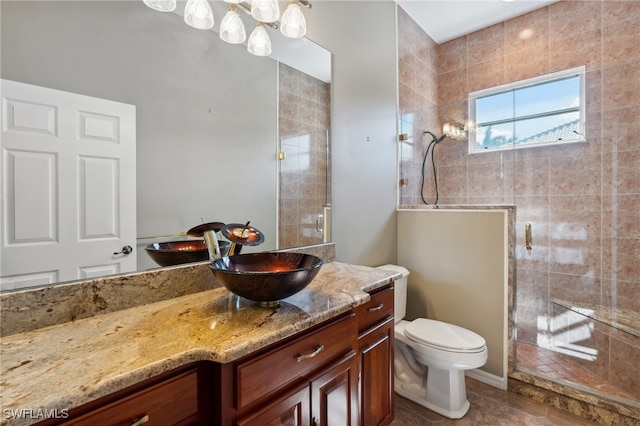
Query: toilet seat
[{"x": 443, "y": 336}]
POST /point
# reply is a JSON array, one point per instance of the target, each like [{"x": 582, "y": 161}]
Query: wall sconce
[
  {"x": 198, "y": 14},
  {"x": 457, "y": 130}
]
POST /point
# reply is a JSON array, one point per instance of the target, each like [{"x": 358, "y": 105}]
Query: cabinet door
[
  {"x": 292, "y": 409},
  {"x": 334, "y": 394},
  {"x": 376, "y": 374}
]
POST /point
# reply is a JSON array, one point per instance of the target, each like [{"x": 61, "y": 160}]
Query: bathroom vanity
[{"x": 212, "y": 358}]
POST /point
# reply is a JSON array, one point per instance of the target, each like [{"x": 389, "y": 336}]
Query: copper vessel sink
[
  {"x": 178, "y": 252},
  {"x": 266, "y": 277}
]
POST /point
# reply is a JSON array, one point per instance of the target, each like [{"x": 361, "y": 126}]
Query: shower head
[{"x": 435, "y": 138}]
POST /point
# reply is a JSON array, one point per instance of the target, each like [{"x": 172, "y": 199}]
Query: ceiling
[{"x": 445, "y": 20}]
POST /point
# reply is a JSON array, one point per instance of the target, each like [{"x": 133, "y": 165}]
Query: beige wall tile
[{"x": 528, "y": 32}]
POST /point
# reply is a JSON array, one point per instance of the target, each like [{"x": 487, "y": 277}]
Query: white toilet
[{"x": 431, "y": 356}]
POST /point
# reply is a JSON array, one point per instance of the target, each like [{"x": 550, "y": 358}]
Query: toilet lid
[{"x": 443, "y": 335}]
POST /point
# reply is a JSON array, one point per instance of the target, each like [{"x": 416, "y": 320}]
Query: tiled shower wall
[
  {"x": 418, "y": 87},
  {"x": 304, "y": 120},
  {"x": 583, "y": 200}
]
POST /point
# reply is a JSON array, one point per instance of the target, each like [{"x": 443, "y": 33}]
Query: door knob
[{"x": 125, "y": 250}]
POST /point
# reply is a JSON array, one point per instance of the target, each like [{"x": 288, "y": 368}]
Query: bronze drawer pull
[
  {"x": 141, "y": 421},
  {"x": 310, "y": 355},
  {"x": 377, "y": 308}
]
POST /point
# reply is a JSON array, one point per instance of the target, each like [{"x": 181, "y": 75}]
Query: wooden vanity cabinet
[
  {"x": 375, "y": 348},
  {"x": 310, "y": 380},
  {"x": 349, "y": 382},
  {"x": 177, "y": 398},
  {"x": 329, "y": 398}
]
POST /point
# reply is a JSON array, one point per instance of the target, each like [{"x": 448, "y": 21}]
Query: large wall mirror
[{"x": 221, "y": 135}]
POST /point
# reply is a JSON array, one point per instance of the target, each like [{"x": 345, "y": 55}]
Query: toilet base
[
  {"x": 445, "y": 392},
  {"x": 407, "y": 393}
]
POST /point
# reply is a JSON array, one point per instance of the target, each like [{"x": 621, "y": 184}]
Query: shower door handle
[
  {"x": 527, "y": 235},
  {"x": 319, "y": 223}
]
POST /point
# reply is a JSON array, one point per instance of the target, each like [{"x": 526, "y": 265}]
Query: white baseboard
[{"x": 487, "y": 378}]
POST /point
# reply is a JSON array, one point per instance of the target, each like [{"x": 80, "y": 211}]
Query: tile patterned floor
[
  {"x": 534, "y": 359},
  {"x": 490, "y": 407}
]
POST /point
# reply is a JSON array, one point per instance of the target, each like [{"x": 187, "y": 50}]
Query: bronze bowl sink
[
  {"x": 178, "y": 252},
  {"x": 266, "y": 277}
]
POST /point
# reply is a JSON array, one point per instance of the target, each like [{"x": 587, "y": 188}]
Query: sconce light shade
[
  {"x": 265, "y": 10},
  {"x": 454, "y": 130},
  {"x": 231, "y": 27},
  {"x": 161, "y": 5},
  {"x": 198, "y": 14},
  {"x": 259, "y": 43},
  {"x": 293, "y": 24}
]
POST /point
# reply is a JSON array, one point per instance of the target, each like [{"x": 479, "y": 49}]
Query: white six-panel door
[{"x": 68, "y": 186}]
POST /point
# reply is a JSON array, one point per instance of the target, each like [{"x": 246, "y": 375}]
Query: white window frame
[{"x": 547, "y": 78}]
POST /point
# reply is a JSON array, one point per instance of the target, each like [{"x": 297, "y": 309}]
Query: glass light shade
[
  {"x": 161, "y": 5},
  {"x": 265, "y": 10},
  {"x": 293, "y": 24},
  {"x": 234, "y": 1},
  {"x": 198, "y": 14},
  {"x": 259, "y": 42},
  {"x": 232, "y": 29}
]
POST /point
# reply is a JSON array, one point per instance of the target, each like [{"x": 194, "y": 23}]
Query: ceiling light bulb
[
  {"x": 198, "y": 14},
  {"x": 259, "y": 43},
  {"x": 161, "y": 5},
  {"x": 231, "y": 27},
  {"x": 265, "y": 10},
  {"x": 293, "y": 24}
]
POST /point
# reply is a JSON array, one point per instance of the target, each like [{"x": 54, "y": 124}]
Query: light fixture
[
  {"x": 265, "y": 10},
  {"x": 259, "y": 42},
  {"x": 293, "y": 24},
  {"x": 198, "y": 14},
  {"x": 161, "y": 5},
  {"x": 231, "y": 27},
  {"x": 456, "y": 130}
]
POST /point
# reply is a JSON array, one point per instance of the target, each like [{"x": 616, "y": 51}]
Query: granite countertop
[{"x": 69, "y": 364}]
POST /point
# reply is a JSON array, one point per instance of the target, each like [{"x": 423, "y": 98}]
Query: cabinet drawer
[
  {"x": 377, "y": 309},
  {"x": 171, "y": 402},
  {"x": 272, "y": 371}
]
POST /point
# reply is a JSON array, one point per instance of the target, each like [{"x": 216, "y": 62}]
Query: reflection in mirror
[
  {"x": 206, "y": 114},
  {"x": 304, "y": 158}
]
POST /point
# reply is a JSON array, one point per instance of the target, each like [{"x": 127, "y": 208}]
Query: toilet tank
[{"x": 400, "y": 291}]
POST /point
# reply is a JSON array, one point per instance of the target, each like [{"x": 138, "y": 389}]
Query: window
[{"x": 545, "y": 110}]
